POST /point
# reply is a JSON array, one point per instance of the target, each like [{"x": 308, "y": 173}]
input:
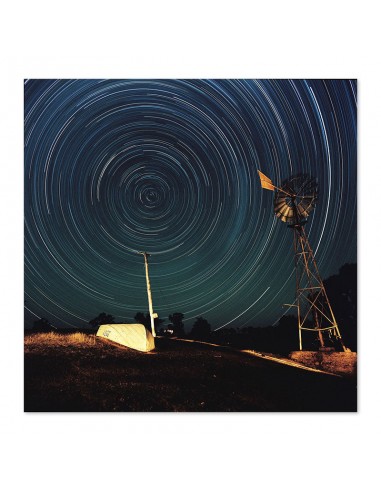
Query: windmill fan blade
[
  {"x": 278, "y": 205},
  {"x": 308, "y": 206},
  {"x": 295, "y": 199},
  {"x": 281, "y": 207},
  {"x": 301, "y": 211},
  {"x": 290, "y": 213}
]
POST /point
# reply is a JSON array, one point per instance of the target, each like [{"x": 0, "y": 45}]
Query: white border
[{"x": 183, "y": 39}]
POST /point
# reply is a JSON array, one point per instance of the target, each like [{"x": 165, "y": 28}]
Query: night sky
[{"x": 114, "y": 167}]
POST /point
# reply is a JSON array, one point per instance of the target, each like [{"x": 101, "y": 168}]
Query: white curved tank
[{"x": 134, "y": 336}]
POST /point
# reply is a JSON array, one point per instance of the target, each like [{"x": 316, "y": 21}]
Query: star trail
[{"x": 115, "y": 167}]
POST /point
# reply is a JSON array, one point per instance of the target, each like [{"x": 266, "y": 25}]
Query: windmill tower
[{"x": 293, "y": 202}]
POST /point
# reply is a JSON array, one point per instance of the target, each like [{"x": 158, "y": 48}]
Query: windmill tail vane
[{"x": 266, "y": 182}]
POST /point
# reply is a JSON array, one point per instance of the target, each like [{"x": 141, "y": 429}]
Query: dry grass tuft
[
  {"x": 53, "y": 339},
  {"x": 81, "y": 338}
]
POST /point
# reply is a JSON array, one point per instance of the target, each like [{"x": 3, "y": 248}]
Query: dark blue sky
[{"x": 114, "y": 167}]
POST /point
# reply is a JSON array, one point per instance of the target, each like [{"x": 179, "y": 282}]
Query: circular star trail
[{"x": 116, "y": 167}]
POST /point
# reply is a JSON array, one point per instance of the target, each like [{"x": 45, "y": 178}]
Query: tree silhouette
[
  {"x": 102, "y": 319},
  {"x": 201, "y": 329},
  {"x": 285, "y": 335},
  {"x": 342, "y": 293},
  {"x": 176, "y": 320},
  {"x": 145, "y": 319},
  {"x": 42, "y": 325}
]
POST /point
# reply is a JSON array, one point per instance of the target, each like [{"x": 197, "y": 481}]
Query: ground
[{"x": 75, "y": 373}]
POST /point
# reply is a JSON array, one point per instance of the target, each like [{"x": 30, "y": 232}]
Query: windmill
[{"x": 294, "y": 200}]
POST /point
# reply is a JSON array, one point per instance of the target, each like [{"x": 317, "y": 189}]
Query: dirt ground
[{"x": 94, "y": 376}]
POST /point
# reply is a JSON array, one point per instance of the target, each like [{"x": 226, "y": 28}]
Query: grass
[
  {"x": 81, "y": 372},
  {"x": 39, "y": 341}
]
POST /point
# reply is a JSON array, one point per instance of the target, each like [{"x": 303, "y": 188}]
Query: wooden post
[{"x": 152, "y": 314}]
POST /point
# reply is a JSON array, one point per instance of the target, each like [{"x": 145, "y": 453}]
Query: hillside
[{"x": 77, "y": 372}]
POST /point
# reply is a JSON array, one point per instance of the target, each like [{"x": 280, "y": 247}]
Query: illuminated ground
[{"x": 94, "y": 376}]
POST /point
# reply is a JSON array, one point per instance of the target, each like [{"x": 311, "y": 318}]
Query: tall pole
[{"x": 151, "y": 313}]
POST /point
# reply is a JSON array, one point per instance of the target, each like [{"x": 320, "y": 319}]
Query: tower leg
[{"x": 300, "y": 339}]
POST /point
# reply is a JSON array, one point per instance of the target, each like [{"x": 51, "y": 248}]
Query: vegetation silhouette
[
  {"x": 176, "y": 324},
  {"x": 201, "y": 329},
  {"x": 283, "y": 338},
  {"x": 342, "y": 293},
  {"x": 42, "y": 326},
  {"x": 102, "y": 319},
  {"x": 280, "y": 339}
]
